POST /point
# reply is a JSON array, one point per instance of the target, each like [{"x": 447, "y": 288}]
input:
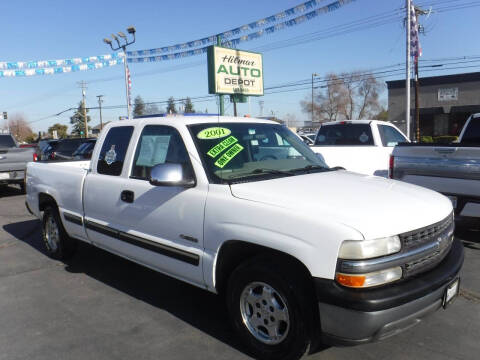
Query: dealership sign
[{"x": 232, "y": 71}]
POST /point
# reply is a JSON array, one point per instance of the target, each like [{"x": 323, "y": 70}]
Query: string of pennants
[
  {"x": 49, "y": 67},
  {"x": 301, "y": 8},
  {"x": 234, "y": 42}
]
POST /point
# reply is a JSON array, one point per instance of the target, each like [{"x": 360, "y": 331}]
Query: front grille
[
  {"x": 425, "y": 235},
  {"x": 437, "y": 238}
]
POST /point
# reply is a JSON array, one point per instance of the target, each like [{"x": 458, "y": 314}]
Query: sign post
[{"x": 234, "y": 72}]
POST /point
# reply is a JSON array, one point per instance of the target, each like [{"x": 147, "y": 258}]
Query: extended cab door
[{"x": 158, "y": 226}]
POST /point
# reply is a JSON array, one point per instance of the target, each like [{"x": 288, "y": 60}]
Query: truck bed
[
  {"x": 452, "y": 170},
  {"x": 65, "y": 185}
]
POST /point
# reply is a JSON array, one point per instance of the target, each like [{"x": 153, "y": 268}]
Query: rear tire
[
  {"x": 57, "y": 243},
  {"x": 269, "y": 309}
]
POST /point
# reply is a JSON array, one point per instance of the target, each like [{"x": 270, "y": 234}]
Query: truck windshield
[
  {"x": 6, "y": 141},
  {"x": 345, "y": 134},
  {"x": 252, "y": 151}
]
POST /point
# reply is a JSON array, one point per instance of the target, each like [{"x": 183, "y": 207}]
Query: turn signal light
[
  {"x": 369, "y": 279},
  {"x": 351, "y": 280}
]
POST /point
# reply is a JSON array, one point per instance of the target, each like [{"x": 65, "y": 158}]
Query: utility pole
[
  {"x": 313, "y": 75},
  {"x": 83, "y": 85},
  {"x": 261, "y": 103},
  {"x": 220, "y": 97},
  {"x": 100, "y": 101},
  {"x": 407, "y": 83},
  {"x": 418, "y": 12}
]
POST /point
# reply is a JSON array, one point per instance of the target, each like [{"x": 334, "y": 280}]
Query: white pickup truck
[
  {"x": 362, "y": 146},
  {"x": 451, "y": 169},
  {"x": 242, "y": 207}
]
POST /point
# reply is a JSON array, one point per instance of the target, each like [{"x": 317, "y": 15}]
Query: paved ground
[{"x": 99, "y": 306}]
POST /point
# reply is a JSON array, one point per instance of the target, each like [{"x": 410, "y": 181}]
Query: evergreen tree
[
  {"x": 138, "y": 106},
  {"x": 77, "y": 121},
  {"x": 171, "y": 109},
  {"x": 188, "y": 106},
  {"x": 151, "y": 109}
]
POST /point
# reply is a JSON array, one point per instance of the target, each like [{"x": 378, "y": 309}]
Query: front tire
[
  {"x": 57, "y": 243},
  {"x": 268, "y": 308}
]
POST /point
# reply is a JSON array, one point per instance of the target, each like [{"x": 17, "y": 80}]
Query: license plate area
[{"x": 451, "y": 292}]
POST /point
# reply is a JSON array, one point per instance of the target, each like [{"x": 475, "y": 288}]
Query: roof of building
[{"x": 437, "y": 80}]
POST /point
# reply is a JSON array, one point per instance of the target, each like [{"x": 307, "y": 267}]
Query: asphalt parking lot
[{"x": 100, "y": 306}]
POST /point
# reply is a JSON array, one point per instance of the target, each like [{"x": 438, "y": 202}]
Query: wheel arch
[
  {"x": 234, "y": 252},
  {"x": 45, "y": 200}
]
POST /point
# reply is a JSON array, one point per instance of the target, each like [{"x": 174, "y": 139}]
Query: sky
[{"x": 362, "y": 35}]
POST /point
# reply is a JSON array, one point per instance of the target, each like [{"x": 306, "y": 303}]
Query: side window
[
  {"x": 472, "y": 132},
  {"x": 114, "y": 148},
  {"x": 390, "y": 136},
  {"x": 158, "y": 145}
]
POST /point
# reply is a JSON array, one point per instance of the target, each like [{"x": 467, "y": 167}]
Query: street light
[
  {"x": 313, "y": 75},
  {"x": 131, "y": 30}
]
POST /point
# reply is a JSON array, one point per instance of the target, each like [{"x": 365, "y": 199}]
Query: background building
[{"x": 445, "y": 103}]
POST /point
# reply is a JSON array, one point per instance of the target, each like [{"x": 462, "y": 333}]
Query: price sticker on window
[{"x": 213, "y": 133}]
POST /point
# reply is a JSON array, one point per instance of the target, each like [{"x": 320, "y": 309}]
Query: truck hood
[{"x": 374, "y": 206}]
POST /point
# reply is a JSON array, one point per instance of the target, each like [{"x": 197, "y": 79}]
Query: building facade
[{"x": 445, "y": 103}]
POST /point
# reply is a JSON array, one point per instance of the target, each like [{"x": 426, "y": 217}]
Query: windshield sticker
[
  {"x": 111, "y": 156},
  {"x": 363, "y": 138},
  {"x": 254, "y": 142},
  {"x": 213, "y": 133},
  {"x": 217, "y": 149},
  {"x": 228, "y": 156},
  {"x": 251, "y": 131}
]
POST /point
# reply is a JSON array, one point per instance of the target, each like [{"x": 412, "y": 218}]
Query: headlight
[
  {"x": 366, "y": 249},
  {"x": 370, "y": 279}
]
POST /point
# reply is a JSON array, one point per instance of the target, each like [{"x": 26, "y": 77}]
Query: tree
[
  {"x": 151, "y": 109},
  {"x": 347, "y": 96},
  {"x": 381, "y": 115},
  {"x": 61, "y": 130},
  {"x": 171, "y": 106},
  {"x": 19, "y": 127},
  {"x": 188, "y": 105},
  {"x": 77, "y": 120},
  {"x": 138, "y": 106},
  {"x": 327, "y": 104}
]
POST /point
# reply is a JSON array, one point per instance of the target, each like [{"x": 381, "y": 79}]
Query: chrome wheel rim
[
  {"x": 265, "y": 313},
  {"x": 51, "y": 233}
]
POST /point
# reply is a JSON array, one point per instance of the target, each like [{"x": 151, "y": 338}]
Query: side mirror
[{"x": 169, "y": 174}]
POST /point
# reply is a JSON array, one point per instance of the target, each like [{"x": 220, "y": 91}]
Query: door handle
[{"x": 127, "y": 196}]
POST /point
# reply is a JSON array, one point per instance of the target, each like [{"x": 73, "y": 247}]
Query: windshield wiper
[
  {"x": 313, "y": 167},
  {"x": 272, "y": 171}
]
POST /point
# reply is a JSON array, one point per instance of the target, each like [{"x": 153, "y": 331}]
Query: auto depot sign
[{"x": 232, "y": 71}]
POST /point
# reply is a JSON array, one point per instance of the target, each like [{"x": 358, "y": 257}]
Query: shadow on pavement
[
  {"x": 201, "y": 309},
  {"x": 10, "y": 190},
  {"x": 469, "y": 237}
]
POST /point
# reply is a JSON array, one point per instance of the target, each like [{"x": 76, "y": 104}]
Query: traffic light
[{"x": 5, "y": 115}]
